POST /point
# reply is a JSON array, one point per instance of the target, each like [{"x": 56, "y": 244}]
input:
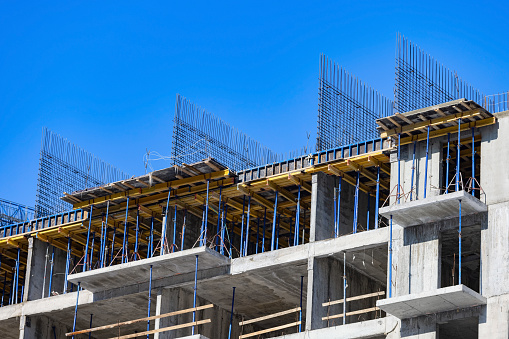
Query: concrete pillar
[
  {"x": 42, "y": 327},
  {"x": 419, "y": 328},
  {"x": 416, "y": 259},
  {"x": 434, "y": 180},
  {"x": 322, "y": 207},
  {"x": 35, "y": 275}
]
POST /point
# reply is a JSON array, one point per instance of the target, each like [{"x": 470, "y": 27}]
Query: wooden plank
[
  {"x": 437, "y": 121},
  {"x": 154, "y": 189},
  {"x": 366, "y": 310},
  {"x": 165, "y": 329},
  {"x": 129, "y": 322},
  {"x": 270, "y": 316},
  {"x": 452, "y": 129},
  {"x": 269, "y": 330},
  {"x": 358, "y": 297}
]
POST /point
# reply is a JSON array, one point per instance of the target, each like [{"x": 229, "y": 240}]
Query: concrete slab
[
  {"x": 136, "y": 272},
  {"x": 196, "y": 336},
  {"x": 285, "y": 256},
  {"x": 362, "y": 329},
  {"x": 440, "y": 300},
  {"x": 433, "y": 209}
]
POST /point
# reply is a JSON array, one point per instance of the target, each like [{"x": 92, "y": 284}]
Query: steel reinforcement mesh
[
  {"x": 347, "y": 108},
  {"x": 421, "y": 81},
  {"x": 198, "y": 134},
  {"x": 65, "y": 167}
]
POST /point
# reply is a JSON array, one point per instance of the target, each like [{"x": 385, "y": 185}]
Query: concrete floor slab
[
  {"x": 361, "y": 329},
  {"x": 136, "y": 272},
  {"x": 433, "y": 209},
  {"x": 440, "y": 300}
]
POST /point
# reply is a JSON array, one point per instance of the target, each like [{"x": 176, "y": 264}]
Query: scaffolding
[
  {"x": 421, "y": 81},
  {"x": 12, "y": 212},
  {"x": 347, "y": 107},
  {"x": 198, "y": 134},
  {"x": 65, "y": 167}
]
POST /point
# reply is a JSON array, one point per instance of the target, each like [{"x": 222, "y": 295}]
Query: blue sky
[{"x": 105, "y": 74}]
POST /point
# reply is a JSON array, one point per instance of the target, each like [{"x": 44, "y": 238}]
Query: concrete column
[
  {"x": 416, "y": 259},
  {"x": 419, "y": 328},
  {"x": 34, "y": 279},
  {"x": 42, "y": 327},
  {"x": 322, "y": 207}
]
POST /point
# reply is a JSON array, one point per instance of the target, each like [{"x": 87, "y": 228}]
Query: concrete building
[{"x": 404, "y": 236}]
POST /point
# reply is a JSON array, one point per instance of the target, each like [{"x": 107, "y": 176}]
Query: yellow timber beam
[
  {"x": 433, "y": 122},
  {"x": 154, "y": 189},
  {"x": 441, "y": 132}
]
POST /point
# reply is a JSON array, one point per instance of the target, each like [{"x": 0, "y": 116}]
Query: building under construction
[{"x": 395, "y": 226}]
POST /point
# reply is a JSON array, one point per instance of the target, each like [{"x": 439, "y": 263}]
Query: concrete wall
[
  {"x": 326, "y": 276},
  {"x": 179, "y": 299}
]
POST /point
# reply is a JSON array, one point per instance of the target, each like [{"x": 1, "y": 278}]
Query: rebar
[
  {"x": 347, "y": 107},
  {"x": 65, "y": 167},
  {"x": 421, "y": 81}
]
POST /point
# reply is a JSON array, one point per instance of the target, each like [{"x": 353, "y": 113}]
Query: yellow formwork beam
[{"x": 154, "y": 189}]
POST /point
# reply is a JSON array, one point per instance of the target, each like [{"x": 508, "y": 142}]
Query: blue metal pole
[
  {"x": 137, "y": 233},
  {"x": 247, "y": 226},
  {"x": 426, "y": 165},
  {"x": 194, "y": 296},
  {"x": 277, "y": 233},
  {"x": 105, "y": 233},
  {"x": 52, "y": 264},
  {"x": 272, "y": 241},
  {"x": 3, "y": 289},
  {"x": 257, "y": 236},
  {"x": 413, "y": 172},
  {"x": 223, "y": 226},
  {"x": 356, "y": 203},
  {"x": 231, "y": 315},
  {"x": 264, "y": 227},
  {"x": 174, "y": 229},
  {"x": 473, "y": 161},
  {"x": 17, "y": 276},
  {"x": 90, "y": 333},
  {"x": 101, "y": 240},
  {"x": 297, "y": 220},
  {"x": 300, "y": 311},
  {"x": 88, "y": 238},
  {"x": 219, "y": 216},
  {"x": 202, "y": 224},
  {"x": 377, "y": 196},
  {"x": 458, "y": 157},
  {"x": 92, "y": 250},
  {"x": 398, "y": 194},
  {"x": 242, "y": 226},
  {"x": 390, "y": 258},
  {"x": 67, "y": 263},
  {"x": 338, "y": 207},
  {"x": 447, "y": 163},
  {"x": 149, "y": 299},
  {"x": 165, "y": 222},
  {"x": 183, "y": 230},
  {"x": 151, "y": 249},
  {"x": 113, "y": 245},
  {"x": 206, "y": 215},
  {"x": 125, "y": 232},
  {"x": 335, "y": 214},
  {"x": 76, "y": 309},
  {"x": 369, "y": 203},
  {"x": 459, "y": 243}
]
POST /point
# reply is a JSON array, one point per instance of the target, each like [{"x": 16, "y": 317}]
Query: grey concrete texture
[
  {"x": 433, "y": 208},
  {"x": 440, "y": 300},
  {"x": 134, "y": 272},
  {"x": 376, "y": 328}
]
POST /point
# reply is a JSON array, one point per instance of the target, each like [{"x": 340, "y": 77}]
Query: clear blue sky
[{"x": 105, "y": 74}]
